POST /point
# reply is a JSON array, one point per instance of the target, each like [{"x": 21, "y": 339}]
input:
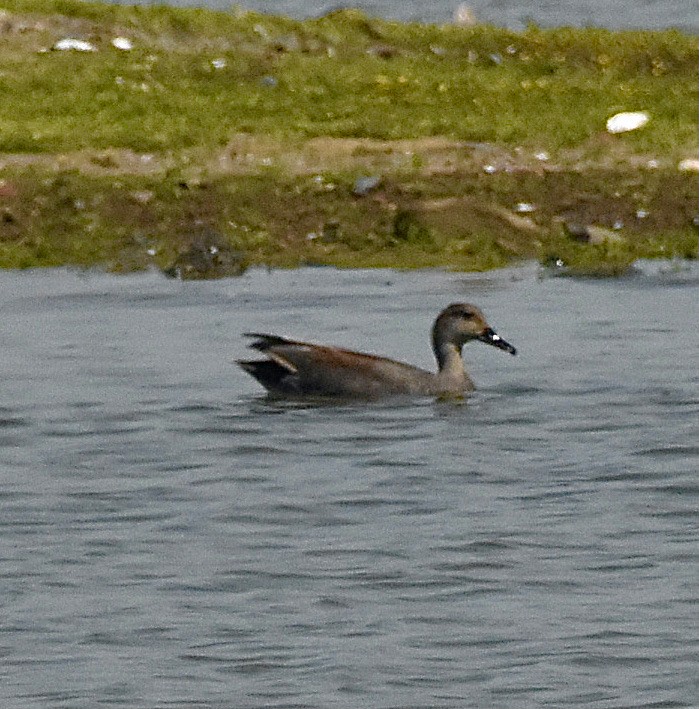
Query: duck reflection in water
[{"x": 302, "y": 369}]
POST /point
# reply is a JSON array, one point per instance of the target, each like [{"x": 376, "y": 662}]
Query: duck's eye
[{"x": 467, "y": 315}]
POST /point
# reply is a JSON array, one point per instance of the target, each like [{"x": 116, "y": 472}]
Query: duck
[{"x": 302, "y": 369}]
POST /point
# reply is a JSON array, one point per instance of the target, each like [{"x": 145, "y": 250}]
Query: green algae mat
[{"x": 201, "y": 142}]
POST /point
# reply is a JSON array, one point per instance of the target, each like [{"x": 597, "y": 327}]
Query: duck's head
[{"x": 460, "y": 323}]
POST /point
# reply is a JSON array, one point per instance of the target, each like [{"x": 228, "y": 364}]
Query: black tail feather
[{"x": 271, "y": 375}]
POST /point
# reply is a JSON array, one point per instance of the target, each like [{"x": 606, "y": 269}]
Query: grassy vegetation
[{"x": 247, "y": 131}]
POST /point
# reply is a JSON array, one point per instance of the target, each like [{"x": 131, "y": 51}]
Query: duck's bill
[{"x": 490, "y": 337}]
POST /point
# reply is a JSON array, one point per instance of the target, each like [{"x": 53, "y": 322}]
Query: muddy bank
[{"x": 405, "y": 204}]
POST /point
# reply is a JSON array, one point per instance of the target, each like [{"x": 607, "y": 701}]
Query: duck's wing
[{"x": 302, "y": 368}]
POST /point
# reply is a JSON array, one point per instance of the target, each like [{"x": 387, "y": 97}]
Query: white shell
[
  {"x": 77, "y": 45},
  {"x": 631, "y": 120},
  {"x": 123, "y": 43},
  {"x": 689, "y": 165}
]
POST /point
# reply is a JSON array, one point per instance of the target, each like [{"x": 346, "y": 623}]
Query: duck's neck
[{"x": 451, "y": 366}]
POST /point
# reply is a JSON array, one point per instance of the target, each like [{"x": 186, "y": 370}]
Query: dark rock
[{"x": 208, "y": 257}]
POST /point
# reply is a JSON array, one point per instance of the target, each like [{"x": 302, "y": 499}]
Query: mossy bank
[{"x": 209, "y": 141}]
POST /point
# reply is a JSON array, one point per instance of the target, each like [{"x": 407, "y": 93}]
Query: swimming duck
[{"x": 300, "y": 369}]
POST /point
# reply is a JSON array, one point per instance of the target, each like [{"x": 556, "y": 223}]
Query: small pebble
[
  {"x": 364, "y": 185},
  {"x": 143, "y": 196}
]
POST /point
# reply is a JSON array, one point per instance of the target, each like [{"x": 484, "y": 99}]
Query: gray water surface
[
  {"x": 171, "y": 538},
  {"x": 515, "y": 14}
]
